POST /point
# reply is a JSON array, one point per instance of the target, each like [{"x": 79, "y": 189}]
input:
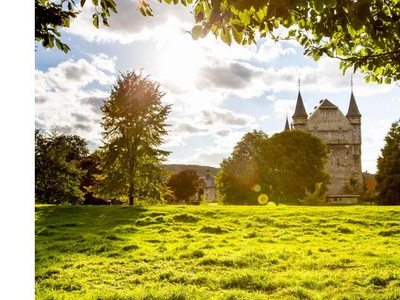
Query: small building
[
  {"x": 208, "y": 189},
  {"x": 342, "y": 136}
]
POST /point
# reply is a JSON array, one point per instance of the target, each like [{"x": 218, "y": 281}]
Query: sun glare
[{"x": 180, "y": 62}]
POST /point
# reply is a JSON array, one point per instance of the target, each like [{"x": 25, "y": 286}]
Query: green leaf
[
  {"x": 65, "y": 48},
  {"x": 95, "y": 2},
  {"x": 50, "y": 41},
  {"x": 196, "y": 31},
  {"x": 96, "y": 20},
  {"x": 329, "y": 53},
  {"x": 226, "y": 36},
  {"x": 59, "y": 44},
  {"x": 331, "y": 3},
  {"x": 318, "y": 6},
  {"x": 244, "y": 17},
  {"x": 83, "y": 2},
  {"x": 237, "y": 35}
]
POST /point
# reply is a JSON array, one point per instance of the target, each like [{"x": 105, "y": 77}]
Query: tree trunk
[{"x": 131, "y": 193}]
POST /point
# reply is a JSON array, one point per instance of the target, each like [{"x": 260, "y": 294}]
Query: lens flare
[
  {"x": 257, "y": 188},
  {"x": 263, "y": 199}
]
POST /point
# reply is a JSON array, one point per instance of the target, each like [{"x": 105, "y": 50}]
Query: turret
[
  {"x": 300, "y": 115},
  {"x": 287, "y": 127},
  {"x": 353, "y": 114}
]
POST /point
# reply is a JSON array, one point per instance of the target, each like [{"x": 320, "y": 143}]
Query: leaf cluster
[
  {"x": 51, "y": 16},
  {"x": 363, "y": 34}
]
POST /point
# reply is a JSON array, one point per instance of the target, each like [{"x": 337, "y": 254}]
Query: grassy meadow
[{"x": 217, "y": 252}]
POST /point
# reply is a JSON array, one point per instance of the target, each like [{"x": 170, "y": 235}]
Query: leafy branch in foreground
[{"x": 362, "y": 34}]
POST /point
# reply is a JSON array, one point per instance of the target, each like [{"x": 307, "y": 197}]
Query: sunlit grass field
[{"x": 217, "y": 252}]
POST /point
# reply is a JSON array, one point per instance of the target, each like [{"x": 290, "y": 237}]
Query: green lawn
[{"x": 217, "y": 252}]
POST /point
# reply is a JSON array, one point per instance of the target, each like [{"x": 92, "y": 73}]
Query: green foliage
[
  {"x": 51, "y": 16},
  {"x": 91, "y": 166},
  {"x": 184, "y": 184},
  {"x": 363, "y": 35},
  {"x": 281, "y": 167},
  {"x": 57, "y": 171},
  {"x": 294, "y": 161},
  {"x": 388, "y": 175},
  {"x": 315, "y": 198},
  {"x": 239, "y": 177},
  {"x": 230, "y": 252},
  {"x": 134, "y": 126}
]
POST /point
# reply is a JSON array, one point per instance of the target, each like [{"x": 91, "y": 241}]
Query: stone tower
[{"x": 342, "y": 136}]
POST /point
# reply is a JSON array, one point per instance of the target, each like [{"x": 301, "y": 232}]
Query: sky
[{"x": 217, "y": 92}]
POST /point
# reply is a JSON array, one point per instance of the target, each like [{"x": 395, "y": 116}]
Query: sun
[{"x": 180, "y": 63}]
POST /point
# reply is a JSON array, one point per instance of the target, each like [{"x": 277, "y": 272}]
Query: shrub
[{"x": 316, "y": 198}]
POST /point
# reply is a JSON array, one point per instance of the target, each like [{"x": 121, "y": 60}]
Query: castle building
[
  {"x": 342, "y": 136},
  {"x": 208, "y": 190}
]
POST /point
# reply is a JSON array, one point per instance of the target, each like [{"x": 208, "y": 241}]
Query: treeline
[
  {"x": 287, "y": 167},
  {"x": 66, "y": 173}
]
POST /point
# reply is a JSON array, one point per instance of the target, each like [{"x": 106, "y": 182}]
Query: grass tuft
[
  {"x": 212, "y": 229},
  {"x": 186, "y": 218}
]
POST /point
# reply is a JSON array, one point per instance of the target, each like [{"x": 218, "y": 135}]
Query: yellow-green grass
[{"x": 217, "y": 252}]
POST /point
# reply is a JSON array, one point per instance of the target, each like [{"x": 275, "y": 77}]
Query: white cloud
[
  {"x": 64, "y": 102},
  {"x": 270, "y": 50}
]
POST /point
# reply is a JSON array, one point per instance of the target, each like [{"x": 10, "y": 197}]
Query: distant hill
[{"x": 201, "y": 170}]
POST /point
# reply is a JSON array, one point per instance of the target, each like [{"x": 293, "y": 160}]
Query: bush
[{"x": 316, "y": 198}]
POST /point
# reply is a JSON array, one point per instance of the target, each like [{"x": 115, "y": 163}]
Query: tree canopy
[
  {"x": 57, "y": 171},
  {"x": 184, "y": 184},
  {"x": 362, "y": 34},
  {"x": 388, "y": 175},
  {"x": 282, "y": 167},
  {"x": 238, "y": 181},
  {"x": 134, "y": 127}
]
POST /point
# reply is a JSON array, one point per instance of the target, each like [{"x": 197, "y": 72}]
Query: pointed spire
[
  {"x": 300, "y": 110},
  {"x": 353, "y": 108},
  {"x": 287, "y": 127}
]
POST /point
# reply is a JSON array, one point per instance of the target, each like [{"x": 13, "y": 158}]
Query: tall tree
[
  {"x": 134, "y": 125},
  {"x": 283, "y": 167},
  {"x": 294, "y": 163},
  {"x": 388, "y": 175},
  {"x": 57, "y": 172},
  {"x": 363, "y": 34},
  {"x": 239, "y": 180},
  {"x": 184, "y": 184}
]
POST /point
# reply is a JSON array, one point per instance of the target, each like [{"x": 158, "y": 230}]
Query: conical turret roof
[
  {"x": 287, "y": 127},
  {"x": 300, "y": 110},
  {"x": 353, "y": 108}
]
